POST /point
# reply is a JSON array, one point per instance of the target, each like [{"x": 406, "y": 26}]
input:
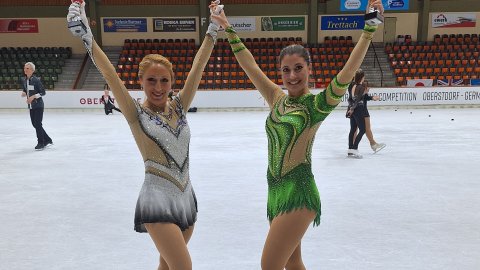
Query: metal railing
[{"x": 376, "y": 60}]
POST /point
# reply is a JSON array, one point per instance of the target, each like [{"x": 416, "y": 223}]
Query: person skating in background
[
  {"x": 368, "y": 130},
  {"x": 108, "y": 102},
  {"x": 356, "y": 111},
  {"x": 368, "y": 127}
]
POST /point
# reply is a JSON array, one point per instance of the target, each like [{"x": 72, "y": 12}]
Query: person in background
[
  {"x": 357, "y": 114},
  {"x": 33, "y": 90},
  {"x": 366, "y": 116},
  {"x": 108, "y": 103},
  {"x": 368, "y": 127}
]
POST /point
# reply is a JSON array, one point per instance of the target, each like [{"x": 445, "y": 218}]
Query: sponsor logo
[
  {"x": 353, "y": 4},
  {"x": 395, "y": 3},
  {"x": 441, "y": 19}
]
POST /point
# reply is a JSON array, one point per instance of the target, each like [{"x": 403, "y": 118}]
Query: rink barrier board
[{"x": 252, "y": 99}]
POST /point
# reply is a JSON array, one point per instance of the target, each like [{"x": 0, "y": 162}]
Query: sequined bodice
[
  {"x": 172, "y": 136},
  {"x": 291, "y": 128}
]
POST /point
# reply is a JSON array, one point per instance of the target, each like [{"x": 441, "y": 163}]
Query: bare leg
[
  {"x": 295, "y": 261},
  {"x": 284, "y": 236},
  {"x": 172, "y": 245},
  {"x": 187, "y": 234},
  {"x": 368, "y": 131}
]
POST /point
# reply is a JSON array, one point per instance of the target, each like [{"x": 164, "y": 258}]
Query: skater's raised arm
[
  {"x": 269, "y": 90},
  {"x": 337, "y": 88},
  {"x": 200, "y": 60},
  {"x": 195, "y": 75},
  {"x": 101, "y": 61}
]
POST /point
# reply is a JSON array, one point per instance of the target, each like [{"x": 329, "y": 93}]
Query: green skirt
[{"x": 295, "y": 190}]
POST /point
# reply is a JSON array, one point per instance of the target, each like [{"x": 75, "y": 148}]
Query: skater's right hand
[
  {"x": 215, "y": 8},
  {"x": 24, "y": 94},
  {"x": 376, "y": 4},
  {"x": 76, "y": 12}
]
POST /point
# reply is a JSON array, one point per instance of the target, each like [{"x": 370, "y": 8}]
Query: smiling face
[
  {"x": 295, "y": 71},
  {"x": 157, "y": 83},
  {"x": 156, "y": 77}
]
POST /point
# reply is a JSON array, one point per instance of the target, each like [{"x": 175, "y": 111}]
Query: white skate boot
[
  {"x": 377, "y": 147},
  {"x": 352, "y": 153}
]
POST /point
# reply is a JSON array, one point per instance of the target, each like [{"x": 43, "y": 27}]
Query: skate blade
[{"x": 378, "y": 150}]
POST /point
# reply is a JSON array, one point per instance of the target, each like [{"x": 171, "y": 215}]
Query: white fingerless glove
[
  {"x": 214, "y": 26},
  {"x": 78, "y": 24}
]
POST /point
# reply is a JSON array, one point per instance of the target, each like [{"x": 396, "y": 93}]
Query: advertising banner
[
  {"x": 352, "y": 22},
  {"x": 361, "y": 5},
  {"x": 18, "y": 26},
  {"x": 243, "y": 24},
  {"x": 252, "y": 99},
  {"x": 283, "y": 23},
  {"x": 174, "y": 25},
  {"x": 124, "y": 25},
  {"x": 450, "y": 20}
]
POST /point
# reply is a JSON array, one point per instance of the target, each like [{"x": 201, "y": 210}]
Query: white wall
[{"x": 253, "y": 99}]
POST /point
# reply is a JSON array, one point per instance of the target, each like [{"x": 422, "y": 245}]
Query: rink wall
[{"x": 252, "y": 99}]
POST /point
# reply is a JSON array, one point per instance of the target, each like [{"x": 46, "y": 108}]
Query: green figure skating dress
[{"x": 291, "y": 127}]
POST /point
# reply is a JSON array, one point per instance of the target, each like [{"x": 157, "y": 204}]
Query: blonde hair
[{"x": 150, "y": 59}]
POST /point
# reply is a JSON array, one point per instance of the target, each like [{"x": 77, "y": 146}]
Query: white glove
[
  {"x": 76, "y": 12},
  {"x": 214, "y": 26}
]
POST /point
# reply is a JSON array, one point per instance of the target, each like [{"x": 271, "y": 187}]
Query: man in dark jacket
[{"x": 34, "y": 90}]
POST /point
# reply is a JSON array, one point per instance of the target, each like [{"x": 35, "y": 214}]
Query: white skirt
[{"x": 162, "y": 201}]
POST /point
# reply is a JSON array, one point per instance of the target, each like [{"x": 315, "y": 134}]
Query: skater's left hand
[{"x": 376, "y": 98}]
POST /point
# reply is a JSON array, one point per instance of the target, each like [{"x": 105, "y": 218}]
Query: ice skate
[
  {"x": 377, "y": 147},
  {"x": 352, "y": 153}
]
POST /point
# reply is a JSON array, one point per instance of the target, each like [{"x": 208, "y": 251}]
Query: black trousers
[
  {"x": 36, "y": 116},
  {"x": 357, "y": 120},
  {"x": 110, "y": 110}
]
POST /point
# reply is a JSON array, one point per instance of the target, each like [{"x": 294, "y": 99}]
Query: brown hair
[
  {"x": 150, "y": 59},
  {"x": 295, "y": 49},
  {"x": 359, "y": 75}
]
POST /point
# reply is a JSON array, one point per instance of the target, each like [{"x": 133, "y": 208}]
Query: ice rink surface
[{"x": 414, "y": 205}]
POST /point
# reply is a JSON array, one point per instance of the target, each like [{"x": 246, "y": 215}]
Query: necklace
[{"x": 159, "y": 111}]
